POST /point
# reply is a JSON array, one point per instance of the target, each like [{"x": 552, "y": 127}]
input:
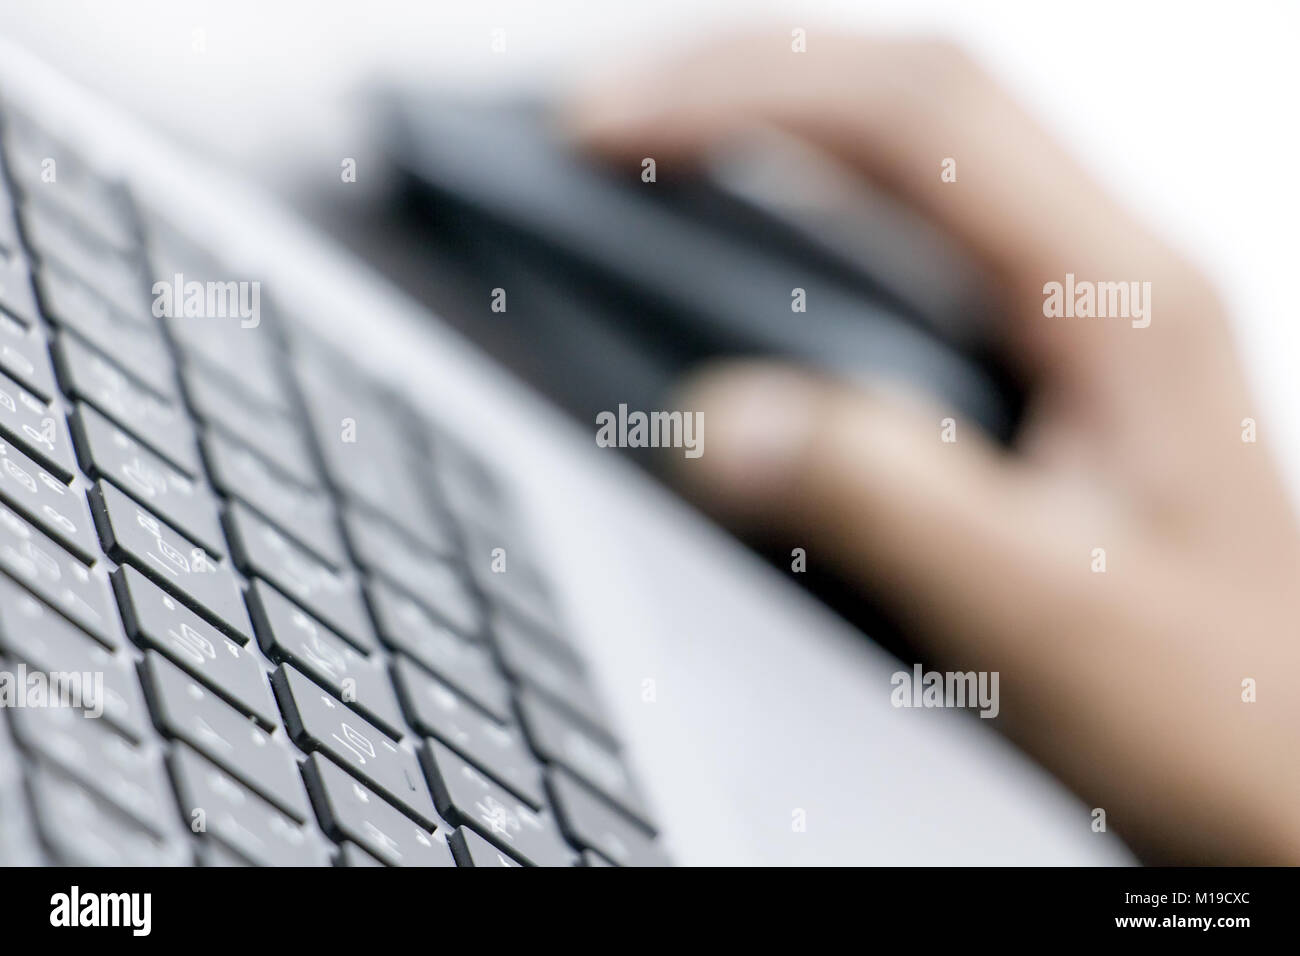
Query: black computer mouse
[{"x": 626, "y": 277}]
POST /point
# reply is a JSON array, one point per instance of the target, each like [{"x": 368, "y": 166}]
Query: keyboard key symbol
[{"x": 356, "y": 742}]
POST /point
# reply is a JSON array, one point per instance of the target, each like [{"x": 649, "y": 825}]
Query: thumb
[{"x": 918, "y": 508}]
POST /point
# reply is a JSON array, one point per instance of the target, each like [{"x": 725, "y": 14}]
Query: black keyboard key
[
  {"x": 466, "y": 666},
  {"x": 367, "y": 457},
  {"x": 348, "y": 810},
  {"x": 129, "y": 777},
  {"x": 305, "y": 515},
  {"x": 372, "y": 536},
  {"x": 550, "y": 668},
  {"x": 84, "y": 831},
  {"x": 101, "y": 209},
  {"x": 25, "y": 357},
  {"x": 59, "y": 511},
  {"x": 272, "y": 435},
  {"x": 470, "y": 849},
  {"x": 520, "y": 600},
  {"x": 246, "y": 356},
  {"x": 506, "y": 571},
  {"x": 592, "y": 824},
  {"x": 334, "y": 597},
  {"x": 134, "y": 535},
  {"x": 161, "y": 424},
  {"x": 433, "y": 582},
  {"x": 352, "y": 855},
  {"x": 109, "y": 452},
  {"x": 469, "y": 483},
  {"x": 169, "y": 251},
  {"x": 74, "y": 300},
  {"x": 60, "y": 243},
  {"x": 33, "y": 632},
  {"x": 10, "y": 243},
  {"x": 288, "y": 633},
  {"x": 59, "y": 579},
  {"x": 63, "y": 246},
  {"x": 72, "y": 270},
  {"x": 39, "y": 429},
  {"x": 213, "y": 854},
  {"x": 496, "y": 749},
  {"x": 465, "y": 796},
  {"x": 16, "y": 295},
  {"x": 559, "y": 740},
  {"x": 183, "y": 709},
  {"x": 214, "y": 803},
  {"x": 136, "y": 348},
  {"x": 19, "y": 845},
  {"x": 154, "y": 619},
  {"x": 317, "y": 721}
]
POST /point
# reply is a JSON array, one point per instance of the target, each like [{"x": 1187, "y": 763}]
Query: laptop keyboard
[{"x": 318, "y": 638}]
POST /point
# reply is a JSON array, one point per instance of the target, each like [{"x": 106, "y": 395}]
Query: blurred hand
[{"x": 1128, "y": 684}]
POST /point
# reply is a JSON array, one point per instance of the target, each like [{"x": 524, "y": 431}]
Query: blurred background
[{"x": 1185, "y": 111}]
